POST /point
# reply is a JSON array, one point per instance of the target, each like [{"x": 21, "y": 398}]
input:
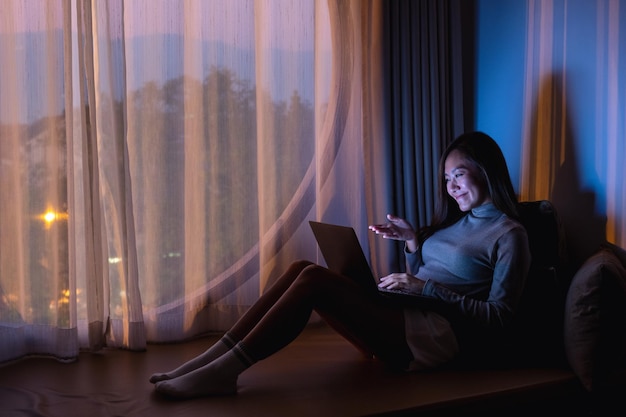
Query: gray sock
[
  {"x": 216, "y": 378},
  {"x": 220, "y": 347}
]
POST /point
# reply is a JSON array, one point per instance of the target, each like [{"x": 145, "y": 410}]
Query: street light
[{"x": 51, "y": 216}]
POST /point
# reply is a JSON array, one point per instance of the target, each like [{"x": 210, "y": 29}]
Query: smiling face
[{"x": 464, "y": 182}]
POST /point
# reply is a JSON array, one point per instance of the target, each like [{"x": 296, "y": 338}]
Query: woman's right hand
[
  {"x": 403, "y": 282},
  {"x": 397, "y": 228}
]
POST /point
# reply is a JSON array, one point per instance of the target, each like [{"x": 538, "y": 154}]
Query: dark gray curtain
[{"x": 423, "y": 93}]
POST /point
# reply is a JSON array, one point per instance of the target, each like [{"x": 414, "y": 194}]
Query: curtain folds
[
  {"x": 160, "y": 160},
  {"x": 85, "y": 243},
  {"x": 422, "y": 107}
]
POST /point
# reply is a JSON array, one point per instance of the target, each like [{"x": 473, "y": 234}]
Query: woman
[{"x": 474, "y": 257}]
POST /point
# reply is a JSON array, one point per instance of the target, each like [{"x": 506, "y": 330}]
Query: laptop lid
[{"x": 342, "y": 252}]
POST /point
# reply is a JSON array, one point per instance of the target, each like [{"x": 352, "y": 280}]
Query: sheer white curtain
[{"x": 160, "y": 160}]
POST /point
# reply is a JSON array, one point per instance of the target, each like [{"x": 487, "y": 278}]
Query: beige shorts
[{"x": 430, "y": 338}]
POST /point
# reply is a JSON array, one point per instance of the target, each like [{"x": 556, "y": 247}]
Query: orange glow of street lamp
[{"x": 51, "y": 216}]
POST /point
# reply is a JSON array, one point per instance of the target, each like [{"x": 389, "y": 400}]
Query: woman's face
[{"x": 464, "y": 182}]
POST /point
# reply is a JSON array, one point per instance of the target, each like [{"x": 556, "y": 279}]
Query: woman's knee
[
  {"x": 314, "y": 271},
  {"x": 295, "y": 269},
  {"x": 289, "y": 276},
  {"x": 313, "y": 275},
  {"x": 316, "y": 279},
  {"x": 300, "y": 265}
]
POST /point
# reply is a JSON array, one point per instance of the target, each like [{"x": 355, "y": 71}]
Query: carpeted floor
[{"x": 320, "y": 374}]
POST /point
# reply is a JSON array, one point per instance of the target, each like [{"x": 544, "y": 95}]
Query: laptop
[{"x": 344, "y": 255}]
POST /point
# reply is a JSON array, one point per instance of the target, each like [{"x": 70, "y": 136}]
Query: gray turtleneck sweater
[{"x": 478, "y": 265}]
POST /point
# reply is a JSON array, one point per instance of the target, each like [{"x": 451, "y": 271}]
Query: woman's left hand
[
  {"x": 402, "y": 281},
  {"x": 398, "y": 229}
]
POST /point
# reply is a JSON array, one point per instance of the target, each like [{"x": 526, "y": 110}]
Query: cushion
[
  {"x": 617, "y": 251},
  {"x": 537, "y": 336},
  {"x": 546, "y": 237},
  {"x": 595, "y": 319}
]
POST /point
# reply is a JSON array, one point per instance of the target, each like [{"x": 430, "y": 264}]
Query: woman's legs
[
  {"x": 359, "y": 315},
  {"x": 351, "y": 309},
  {"x": 241, "y": 328}
]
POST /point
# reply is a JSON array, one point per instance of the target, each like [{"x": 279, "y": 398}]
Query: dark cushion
[
  {"x": 595, "y": 319},
  {"x": 538, "y": 332},
  {"x": 620, "y": 253},
  {"x": 546, "y": 237}
]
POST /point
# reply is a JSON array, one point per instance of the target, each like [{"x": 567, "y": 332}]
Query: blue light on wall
[{"x": 550, "y": 88}]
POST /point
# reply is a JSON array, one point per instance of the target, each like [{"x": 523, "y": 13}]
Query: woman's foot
[
  {"x": 203, "y": 382},
  {"x": 190, "y": 366},
  {"x": 216, "y": 378},
  {"x": 218, "y": 349},
  {"x": 154, "y": 378}
]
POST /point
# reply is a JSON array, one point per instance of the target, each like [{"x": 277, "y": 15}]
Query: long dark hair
[{"x": 482, "y": 151}]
